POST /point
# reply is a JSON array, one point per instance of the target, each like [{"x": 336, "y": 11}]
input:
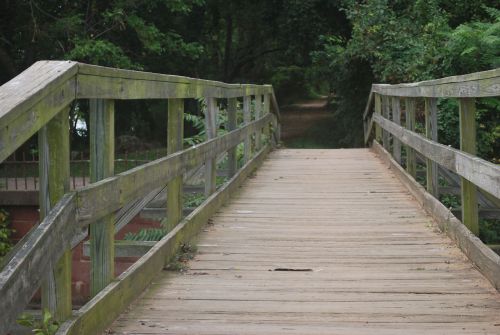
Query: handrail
[
  {"x": 474, "y": 171},
  {"x": 478, "y": 84},
  {"x": 32, "y": 100}
]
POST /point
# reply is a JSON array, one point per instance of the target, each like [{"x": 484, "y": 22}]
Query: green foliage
[
  {"x": 450, "y": 200},
  {"x": 475, "y": 46},
  {"x": 5, "y": 233},
  {"x": 100, "y": 52},
  {"x": 301, "y": 47},
  {"x": 489, "y": 231},
  {"x": 184, "y": 255},
  {"x": 198, "y": 123},
  {"x": 487, "y": 126},
  {"x": 405, "y": 41},
  {"x": 192, "y": 200},
  {"x": 149, "y": 234},
  {"x": 46, "y": 326}
]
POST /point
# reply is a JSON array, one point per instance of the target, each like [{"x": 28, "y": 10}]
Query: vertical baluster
[
  {"x": 385, "y": 113},
  {"x": 468, "y": 144},
  {"x": 211, "y": 131},
  {"x": 24, "y": 171},
  {"x": 378, "y": 110},
  {"x": 431, "y": 132},
  {"x": 102, "y": 161},
  {"x": 6, "y": 171},
  {"x": 14, "y": 163},
  {"x": 411, "y": 162},
  {"x": 267, "y": 127},
  {"x": 231, "y": 125},
  {"x": 396, "y": 116},
  {"x": 258, "y": 115},
  {"x": 246, "y": 120},
  {"x": 53, "y": 144},
  {"x": 175, "y": 135},
  {"x": 82, "y": 162},
  {"x": 34, "y": 179},
  {"x": 72, "y": 174}
]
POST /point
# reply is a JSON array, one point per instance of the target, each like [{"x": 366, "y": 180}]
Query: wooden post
[
  {"x": 396, "y": 116},
  {"x": 102, "y": 161},
  {"x": 175, "y": 135},
  {"x": 468, "y": 144},
  {"x": 411, "y": 162},
  {"x": 53, "y": 144},
  {"x": 431, "y": 132},
  {"x": 246, "y": 120},
  {"x": 378, "y": 110},
  {"x": 266, "y": 110},
  {"x": 258, "y": 115},
  {"x": 211, "y": 131},
  {"x": 231, "y": 125},
  {"x": 385, "y": 114}
]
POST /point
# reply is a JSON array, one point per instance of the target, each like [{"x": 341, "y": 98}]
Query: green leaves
[
  {"x": 100, "y": 52},
  {"x": 5, "y": 233},
  {"x": 45, "y": 326}
]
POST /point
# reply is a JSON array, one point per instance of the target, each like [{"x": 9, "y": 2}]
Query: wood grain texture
[
  {"x": 110, "y": 83},
  {"x": 266, "y": 110},
  {"x": 378, "y": 111},
  {"x": 258, "y": 115},
  {"x": 247, "y": 118},
  {"x": 482, "y": 173},
  {"x": 396, "y": 117},
  {"x": 175, "y": 136},
  {"x": 139, "y": 181},
  {"x": 232, "y": 161},
  {"x": 487, "y": 261},
  {"x": 411, "y": 160},
  {"x": 478, "y": 84},
  {"x": 102, "y": 160},
  {"x": 431, "y": 132},
  {"x": 53, "y": 140},
  {"x": 377, "y": 262},
  {"x": 31, "y": 99},
  {"x": 386, "y": 113},
  {"x": 467, "y": 117},
  {"x": 211, "y": 133},
  {"x": 97, "y": 314},
  {"x": 44, "y": 244}
]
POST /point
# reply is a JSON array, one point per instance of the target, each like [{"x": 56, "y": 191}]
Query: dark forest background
[{"x": 304, "y": 48}]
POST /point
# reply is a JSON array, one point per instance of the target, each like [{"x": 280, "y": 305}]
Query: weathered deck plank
[{"x": 378, "y": 263}]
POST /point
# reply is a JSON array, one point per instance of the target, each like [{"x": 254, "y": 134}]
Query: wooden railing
[
  {"x": 383, "y": 112},
  {"x": 37, "y": 101}
]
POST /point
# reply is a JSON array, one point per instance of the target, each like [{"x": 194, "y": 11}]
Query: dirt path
[{"x": 298, "y": 118}]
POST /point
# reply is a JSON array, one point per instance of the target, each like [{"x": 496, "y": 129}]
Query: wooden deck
[{"x": 367, "y": 260}]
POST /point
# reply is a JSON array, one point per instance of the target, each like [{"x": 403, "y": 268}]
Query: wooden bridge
[{"x": 296, "y": 241}]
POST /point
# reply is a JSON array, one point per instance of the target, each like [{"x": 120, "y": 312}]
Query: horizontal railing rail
[
  {"x": 384, "y": 113},
  {"x": 36, "y": 95},
  {"x": 38, "y": 101}
]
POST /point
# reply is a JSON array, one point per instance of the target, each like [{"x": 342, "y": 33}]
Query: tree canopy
[{"x": 302, "y": 47}]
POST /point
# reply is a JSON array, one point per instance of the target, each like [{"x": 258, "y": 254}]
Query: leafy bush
[
  {"x": 489, "y": 231},
  {"x": 46, "y": 326},
  {"x": 487, "y": 125},
  {"x": 149, "y": 234},
  {"x": 5, "y": 233}
]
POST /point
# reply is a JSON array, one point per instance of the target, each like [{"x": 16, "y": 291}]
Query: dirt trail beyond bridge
[{"x": 298, "y": 118}]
